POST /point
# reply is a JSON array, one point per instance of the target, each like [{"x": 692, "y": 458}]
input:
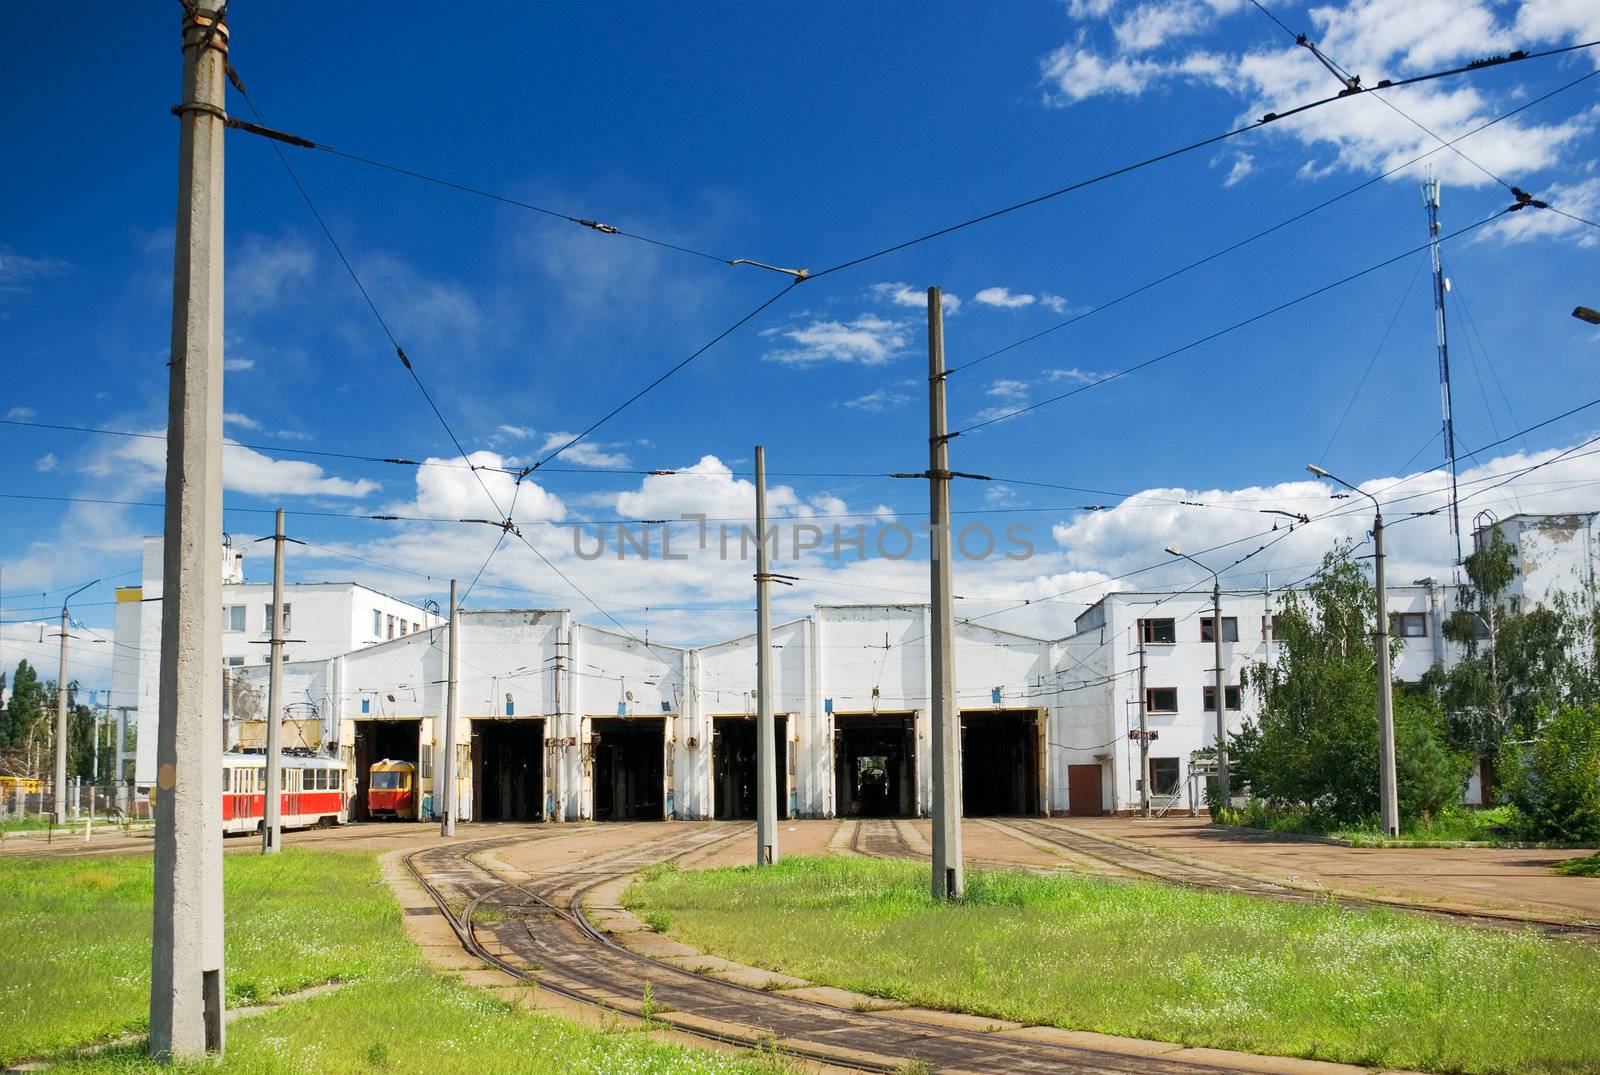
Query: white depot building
[
  {"x": 562, "y": 720},
  {"x": 324, "y": 619}
]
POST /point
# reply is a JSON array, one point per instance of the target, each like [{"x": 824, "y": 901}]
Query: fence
[{"x": 108, "y": 803}]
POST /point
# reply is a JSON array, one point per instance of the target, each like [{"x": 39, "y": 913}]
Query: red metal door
[{"x": 1083, "y": 791}]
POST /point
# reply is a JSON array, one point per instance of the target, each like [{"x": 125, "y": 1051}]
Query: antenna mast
[{"x": 1430, "y": 198}]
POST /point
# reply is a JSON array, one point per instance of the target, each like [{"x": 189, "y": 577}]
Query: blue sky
[{"x": 801, "y": 138}]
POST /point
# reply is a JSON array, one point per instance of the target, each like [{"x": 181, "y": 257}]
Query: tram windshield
[{"x": 389, "y": 781}]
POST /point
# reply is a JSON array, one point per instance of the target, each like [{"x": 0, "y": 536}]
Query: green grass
[
  {"x": 1587, "y": 866},
  {"x": 294, "y": 919},
  {"x": 1379, "y": 988},
  {"x": 1457, "y": 825}
]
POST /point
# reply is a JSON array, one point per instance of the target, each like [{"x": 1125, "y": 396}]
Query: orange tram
[
  {"x": 315, "y": 792},
  {"x": 392, "y": 790}
]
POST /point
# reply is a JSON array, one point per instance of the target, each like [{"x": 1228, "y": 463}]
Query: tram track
[
  {"x": 1142, "y": 864},
  {"x": 535, "y": 930}
]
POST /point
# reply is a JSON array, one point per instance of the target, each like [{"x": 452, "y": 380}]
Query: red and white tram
[{"x": 315, "y": 791}]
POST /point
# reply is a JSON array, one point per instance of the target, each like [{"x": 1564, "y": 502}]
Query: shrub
[{"x": 1554, "y": 780}]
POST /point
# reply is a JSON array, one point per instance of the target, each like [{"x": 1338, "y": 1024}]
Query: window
[
  {"x": 391, "y": 626},
  {"x": 1208, "y": 698},
  {"x": 233, "y": 618},
  {"x": 366, "y": 705},
  {"x": 1161, "y": 699},
  {"x": 235, "y": 662},
  {"x": 1230, "y": 628},
  {"x": 1409, "y": 624},
  {"x": 403, "y": 628},
  {"x": 377, "y": 622},
  {"x": 266, "y": 618},
  {"x": 1158, "y": 632},
  {"x": 1163, "y": 776},
  {"x": 1269, "y": 627},
  {"x": 226, "y": 783}
]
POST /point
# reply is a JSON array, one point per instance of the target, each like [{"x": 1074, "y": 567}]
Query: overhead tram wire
[
  {"x": 400, "y": 352},
  {"x": 1230, "y": 248},
  {"x": 1237, "y": 325},
  {"x": 1376, "y": 351},
  {"x": 1352, "y": 84},
  {"x": 1514, "y": 57}
]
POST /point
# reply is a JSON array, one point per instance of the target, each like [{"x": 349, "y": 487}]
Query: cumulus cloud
[
  {"x": 1579, "y": 199},
  {"x": 1002, "y": 297},
  {"x": 1009, "y": 390},
  {"x": 585, "y": 453},
  {"x": 906, "y": 295},
  {"x": 518, "y": 432},
  {"x": 141, "y": 464},
  {"x": 243, "y": 421},
  {"x": 1147, "y": 48},
  {"x": 868, "y": 340},
  {"x": 447, "y": 489}
]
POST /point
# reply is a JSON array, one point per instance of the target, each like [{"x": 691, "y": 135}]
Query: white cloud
[
  {"x": 879, "y": 399},
  {"x": 21, "y": 414},
  {"x": 47, "y": 463},
  {"x": 1009, "y": 390},
  {"x": 906, "y": 295},
  {"x": 1374, "y": 38},
  {"x": 243, "y": 421},
  {"x": 1055, "y": 303},
  {"x": 1073, "y": 376},
  {"x": 141, "y": 464},
  {"x": 235, "y": 365},
  {"x": 293, "y": 434},
  {"x": 585, "y": 453},
  {"x": 868, "y": 340},
  {"x": 707, "y": 488},
  {"x": 1579, "y": 199},
  {"x": 447, "y": 489},
  {"x": 1243, "y": 165},
  {"x": 1002, "y": 297},
  {"x": 18, "y": 272},
  {"x": 519, "y": 432},
  {"x": 264, "y": 271}
]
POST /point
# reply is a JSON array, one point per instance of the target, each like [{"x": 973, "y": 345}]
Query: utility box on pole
[{"x": 186, "y": 977}]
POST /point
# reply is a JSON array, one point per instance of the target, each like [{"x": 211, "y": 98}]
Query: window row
[
  {"x": 1165, "y": 699},
  {"x": 1164, "y": 632},
  {"x": 233, "y": 618},
  {"x": 386, "y": 626}
]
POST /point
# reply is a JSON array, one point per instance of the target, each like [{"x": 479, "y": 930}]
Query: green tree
[
  {"x": 23, "y": 721},
  {"x": 1315, "y": 742},
  {"x": 1554, "y": 779}
]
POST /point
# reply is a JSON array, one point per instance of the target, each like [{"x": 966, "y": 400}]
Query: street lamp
[
  {"x": 1583, "y": 313},
  {"x": 1223, "y": 790},
  {"x": 1388, "y": 796}
]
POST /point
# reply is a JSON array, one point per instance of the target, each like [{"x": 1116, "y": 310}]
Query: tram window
[
  {"x": 387, "y": 781},
  {"x": 226, "y": 773}
]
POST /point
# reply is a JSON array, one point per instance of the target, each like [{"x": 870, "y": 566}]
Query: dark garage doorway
[
  {"x": 999, "y": 763},
  {"x": 381, "y": 740},
  {"x": 875, "y": 765},
  {"x": 733, "y": 766},
  {"x": 629, "y": 769},
  {"x": 508, "y": 770}
]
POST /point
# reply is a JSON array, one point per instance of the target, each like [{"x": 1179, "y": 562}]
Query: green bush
[{"x": 1554, "y": 780}]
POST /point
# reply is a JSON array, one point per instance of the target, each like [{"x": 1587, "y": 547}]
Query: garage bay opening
[
  {"x": 875, "y": 765},
  {"x": 381, "y": 740},
  {"x": 629, "y": 768},
  {"x": 1000, "y": 762},
  {"x": 508, "y": 770},
  {"x": 733, "y": 766}
]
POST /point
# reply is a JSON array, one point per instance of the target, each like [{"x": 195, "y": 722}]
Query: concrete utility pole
[
  {"x": 1388, "y": 788},
  {"x": 1144, "y": 737},
  {"x": 949, "y": 880},
  {"x": 558, "y": 777},
  {"x": 272, "y": 823},
  {"x": 766, "y": 757},
  {"x": 186, "y": 986},
  {"x": 447, "y": 816}
]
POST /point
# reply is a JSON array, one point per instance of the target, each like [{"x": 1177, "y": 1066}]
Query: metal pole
[
  {"x": 272, "y": 823},
  {"x": 186, "y": 981},
  {"x": 949, "y": 881},
  {"x": 766, "y": 758},
  {"x": 447, "y": 823},
  {"x": 559, "y": 776},
  {"x": 1224, "y": 791},
  {"x": 59, "y": 807},
  {"x": 1388, "y": 795},
  {"x": 1144, "y": 738}
]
